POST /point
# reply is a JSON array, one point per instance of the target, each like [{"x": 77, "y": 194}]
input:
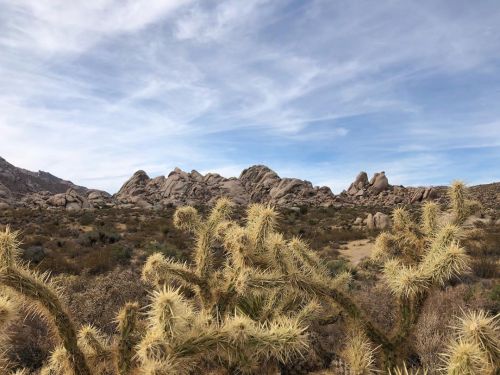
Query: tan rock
[{"x": 379, "y": 183}]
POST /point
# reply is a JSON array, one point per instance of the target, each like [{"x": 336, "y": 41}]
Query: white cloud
[{"x": 73, "y": 26}]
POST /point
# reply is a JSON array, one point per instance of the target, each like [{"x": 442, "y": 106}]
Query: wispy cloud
[{"x": 92, "y": 90}]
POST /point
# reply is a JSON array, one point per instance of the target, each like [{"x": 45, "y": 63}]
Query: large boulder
[
  {"x": 379, "y": 183},
  {"x": 359, "y": 184}
]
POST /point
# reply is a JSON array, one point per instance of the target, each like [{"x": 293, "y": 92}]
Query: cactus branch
[{"x": 36, "y": 289}]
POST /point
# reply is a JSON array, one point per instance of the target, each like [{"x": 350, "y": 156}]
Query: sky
[{"x": 93, "y": 90}]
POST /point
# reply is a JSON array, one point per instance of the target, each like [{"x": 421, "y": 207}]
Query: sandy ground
[{"x": 357, "y": 250}]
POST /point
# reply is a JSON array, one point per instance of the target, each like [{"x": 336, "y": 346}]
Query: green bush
[
  {"x": 495, "y": 293},
  {"x": 87, "y": 218},
  {"x": 337, "y": 266},
  {"x": 121, "y": 254}
]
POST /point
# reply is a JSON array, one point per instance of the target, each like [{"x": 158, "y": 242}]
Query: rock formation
[
  {"x": 378, "y": 192},
  {"x": 255, "y": 184},
  {"x": 41, "y": 190},
  {"x": 361, "y": 186}
]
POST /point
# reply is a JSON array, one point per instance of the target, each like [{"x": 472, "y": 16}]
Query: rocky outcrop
[
  {"x": 361, "y": 186},
  {"x": 255, "y": 184},
  {"x": 71, "y": 200},
  {"x": 264, "y": 185},
  {"x": 22, "y": 188},
  {"x": 378, "y": 192}
]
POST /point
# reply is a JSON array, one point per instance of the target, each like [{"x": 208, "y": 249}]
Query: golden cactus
[
  {"x": 43, "y": 294},
  {"x": 462, "y": 207},
  {"x": 404, "y": 370},
  {"x": 465, "y": 358},
  {"x": 128, "y": 338},
  {"x": 417, "y": 257},
  {"x": 359, "y": 354},
  {"x": 430, "y": 212},
  {"x": 476, "y": 347},
  {"x": 244, "y": 312}
]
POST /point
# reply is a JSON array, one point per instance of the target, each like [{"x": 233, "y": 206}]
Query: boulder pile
[
  {"x": 378, "y": 192},
  {"x": 255, "y": 184}
]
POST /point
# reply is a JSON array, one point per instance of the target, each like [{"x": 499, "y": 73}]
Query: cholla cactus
[
  {"x": 59, "y": 363},
  {"x": 462, "y": 206},
  {"x": 407, "y": 371},
  {"x": 476, "y": 347},
  {"x": 359, "y": 353},
  {"x": 45, "y": 297},
  {"x": 8, "y": 312},
  {"x": 128, "y": 338},
  {"x": 419, "y": 256},
  {"x": 250, "y": 308}
]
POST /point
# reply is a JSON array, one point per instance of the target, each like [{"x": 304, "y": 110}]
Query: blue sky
[{"x": 320, "y": 89}]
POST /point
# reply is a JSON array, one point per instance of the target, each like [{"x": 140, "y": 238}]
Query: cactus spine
[
  {"x": 476, "y": 346},
  {"x": 244, "y": 314},
  {"x": 128, "y": 338},
  {"x": 36, "y": 288},
  {"x": 417, "y": 257}
]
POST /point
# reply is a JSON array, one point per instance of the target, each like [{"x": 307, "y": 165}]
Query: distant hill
[{"x": 17, "y": 182}]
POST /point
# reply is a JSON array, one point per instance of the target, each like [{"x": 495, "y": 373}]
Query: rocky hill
[
  {"x": 17, "y": 182},
  {"x": 255, "y": 184},
  {"x": 22, "y": 188}
]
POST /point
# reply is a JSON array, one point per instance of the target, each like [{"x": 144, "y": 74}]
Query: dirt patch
[{"x": 357, "y": 250}]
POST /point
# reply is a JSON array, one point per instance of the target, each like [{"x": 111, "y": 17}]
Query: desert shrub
[
  {"x": 97, "y": 299},
  {"x": 338, "y": 266},
  {"x": 30, "y": 341},
  {"x": 87, "y": 218},
  {"x": 103, "y": 236},
  {"x": 96, "y": 262},
  {"x": 121, "y": 253},
  {"x": 495, "y": 293},
  {"x": 486, "y": 268},
  {"x": 167, "y": 250},
  {"x": 345, "y": 235},
  {"x": 56, "y": 263},
  {"x": 88, "y": 239}
]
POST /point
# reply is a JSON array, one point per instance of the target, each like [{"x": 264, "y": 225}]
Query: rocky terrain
[{"x": 256, "y": 184}]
